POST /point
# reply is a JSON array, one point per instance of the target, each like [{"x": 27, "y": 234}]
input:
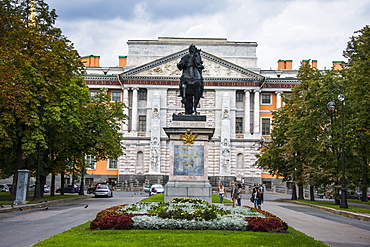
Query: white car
[
  {"x": 4, "y": 188},
  {"x": 156, "y": 188},
  {"x": 103, "y": 190}
]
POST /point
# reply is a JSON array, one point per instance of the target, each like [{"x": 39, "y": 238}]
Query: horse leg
[{"x": 189, "y": 104}]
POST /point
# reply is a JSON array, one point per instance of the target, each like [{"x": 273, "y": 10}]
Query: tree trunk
[
  {"x": 62, "y": 184},
  {"x": 18, "y": 166},
  {"x": 42, "y": 183},
  {"x": 312, "y": 193},
  {"x": 52, "y": 185},
  {"x": 300, "y": 192},
  {"x": 364, "y": 182}
]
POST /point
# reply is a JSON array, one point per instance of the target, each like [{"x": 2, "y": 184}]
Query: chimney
[
  {"x": 338, "y": 65},
  {"x": 281, "y": 64},
  {"x": 122, "y": 61},
  {"x": 91, "y": 61},
  {"x": 285, "y": 64},
  {"x": 313, "y": 63}
]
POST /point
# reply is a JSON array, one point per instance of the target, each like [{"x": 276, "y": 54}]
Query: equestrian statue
[{"x": 191, "y": 80}]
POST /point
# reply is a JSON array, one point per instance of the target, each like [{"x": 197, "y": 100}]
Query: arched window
[{"x": 240, "y": 161}]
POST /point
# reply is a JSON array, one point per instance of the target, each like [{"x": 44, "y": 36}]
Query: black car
[{"x": 68, "y": 189}]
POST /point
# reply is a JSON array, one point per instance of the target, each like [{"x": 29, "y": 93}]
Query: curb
[
  {"x": 351, "y": 215},
  {"x": 42, "y": 204}
]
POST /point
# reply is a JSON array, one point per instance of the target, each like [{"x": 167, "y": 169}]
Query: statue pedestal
[{"x": 188, "y": 174}]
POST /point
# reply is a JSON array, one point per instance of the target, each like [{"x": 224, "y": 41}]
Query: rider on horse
[{"x": 191, "y": 64}]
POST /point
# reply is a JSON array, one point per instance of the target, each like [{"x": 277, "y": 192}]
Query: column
[
  {"x": 256, "y": 124},
  {"x": 247, "y": 112},
  {"x": 278, "y": 99},
  {"x": 125, "y": 111},
  {"x": 134, "y": 121}
]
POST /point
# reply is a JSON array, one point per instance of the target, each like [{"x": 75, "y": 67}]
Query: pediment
[{"x": 214, "y": 67}]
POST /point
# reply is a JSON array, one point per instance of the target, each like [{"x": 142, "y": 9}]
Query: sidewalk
[
  {"x": 351, "y": 215},
  {"x": 358, "y": 216},
  {"x": 43, "y": 204}
]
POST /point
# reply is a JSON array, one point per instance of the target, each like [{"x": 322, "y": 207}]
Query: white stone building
[{"x": 238, "y": 101}]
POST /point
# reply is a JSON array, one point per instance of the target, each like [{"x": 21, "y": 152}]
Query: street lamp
[
  {"x": 37, "y": 195},
  {"x": 331, "y": 105}
]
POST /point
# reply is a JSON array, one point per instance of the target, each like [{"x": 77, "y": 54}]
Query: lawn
[
  {"x": 330, "y": 204},
  {"x": 83, "y": 236}
]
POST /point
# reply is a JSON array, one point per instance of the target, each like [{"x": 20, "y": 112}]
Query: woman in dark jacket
[{"x": 259, "y": 198}]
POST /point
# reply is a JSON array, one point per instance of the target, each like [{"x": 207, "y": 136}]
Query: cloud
[{"x": 283, "y": 29}]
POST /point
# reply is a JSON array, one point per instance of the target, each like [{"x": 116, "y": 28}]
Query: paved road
[
  {"x": 323, "y": 226},
  {"x": 27, "y": 227}
]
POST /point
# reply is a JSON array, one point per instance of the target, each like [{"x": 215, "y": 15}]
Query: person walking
[
  {"x": 240, "y": 193},
  {"x": 254, "y": 196},
  {"x": 221, "y": 192},
  {"x": 259, "y": 198},
  {"x": 234, "y": 193}
]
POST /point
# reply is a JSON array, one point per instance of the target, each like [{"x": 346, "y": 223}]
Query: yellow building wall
[
  {"x": 271, "y": 107},
  {"x": 101, "y": 169}
]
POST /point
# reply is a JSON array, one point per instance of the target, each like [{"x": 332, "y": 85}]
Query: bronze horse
[{"x": 191, "y": 80}]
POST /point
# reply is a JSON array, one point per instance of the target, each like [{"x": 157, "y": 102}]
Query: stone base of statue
[{"x": 188, "y": 174}]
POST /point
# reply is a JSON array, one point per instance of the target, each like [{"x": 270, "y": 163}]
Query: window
[
  {"x": 266, "y": 99},
  {"x": 265, "y": 126},
  {"x": 116, "y": 96},
  {"x": 142, "y": 95},
  {"x": 239, "y": 125},
  {"x": 142, "y": 123},
  {"x": 112, "y": 164},
  {"x": 239, "y": 96},
  {"x": 90, "y": 162},
  {"x": 93, "y": 94}
]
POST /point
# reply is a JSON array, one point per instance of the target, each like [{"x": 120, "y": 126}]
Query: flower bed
[{"x": 188, "y": 214}]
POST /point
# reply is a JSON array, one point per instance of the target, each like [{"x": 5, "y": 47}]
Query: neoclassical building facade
[{"x": 238, "y": 102}]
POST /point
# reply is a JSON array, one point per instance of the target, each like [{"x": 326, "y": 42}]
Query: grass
[
  {"x": 330, "y": 204},
  {"x": 31, "y": 201},
  {"x": 160, "y": 198},
  {"x": 83, "y": 236}
]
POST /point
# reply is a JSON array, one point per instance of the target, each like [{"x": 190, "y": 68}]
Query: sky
[{"x": 283, "y": 29}]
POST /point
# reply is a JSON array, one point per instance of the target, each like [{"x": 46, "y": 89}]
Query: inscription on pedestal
[{"x": 188, "y": 160}]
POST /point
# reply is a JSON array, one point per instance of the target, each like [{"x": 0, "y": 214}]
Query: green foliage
[
  {"x": 44, "y": 100},
  {"x": 306, "y": 139}
]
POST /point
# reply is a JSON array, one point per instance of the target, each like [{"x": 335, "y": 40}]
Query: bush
[
  {"x": 113, "y": 223},
  {"x": 267, "y": 225}
]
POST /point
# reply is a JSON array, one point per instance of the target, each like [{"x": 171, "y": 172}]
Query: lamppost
[{"x": 331, "y": 105}]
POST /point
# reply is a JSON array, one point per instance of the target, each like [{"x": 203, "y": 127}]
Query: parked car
[
  {"x": 156, "y": 188},
  {"x": 68, "y": 189},
  {"x": 147, "y": 188},
  {"x": 360, "y": 196},
  {"x": 91, "y": 189},
  {"x": 32, "y": 188},
  {"x": 4, "y": 188},
  {"x": 103, "y": 190},
  {"x": 10, "y": 186}
]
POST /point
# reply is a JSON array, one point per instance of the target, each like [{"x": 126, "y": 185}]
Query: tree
[
  {"x": 300, "y": 147},
  {"x": 43, "y": 99},
  {"x": 357, "y": 80}
]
